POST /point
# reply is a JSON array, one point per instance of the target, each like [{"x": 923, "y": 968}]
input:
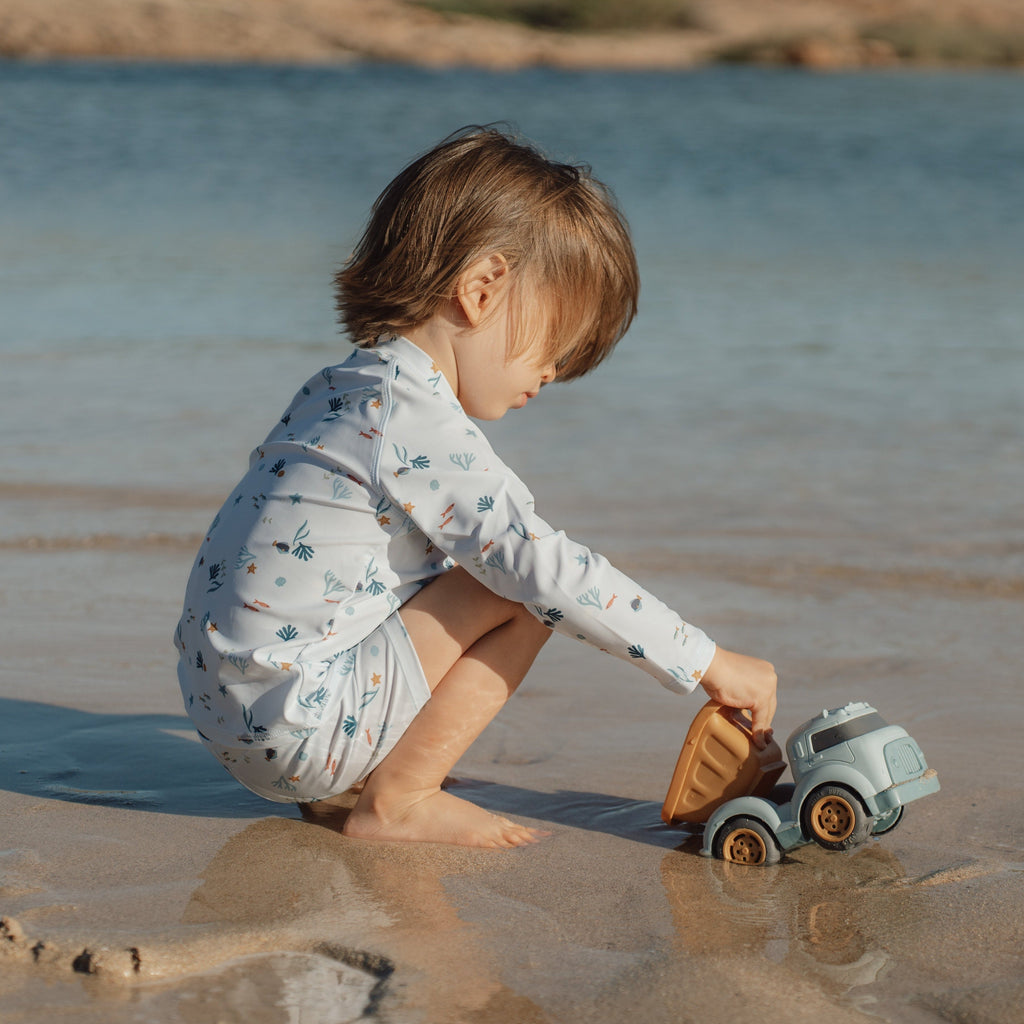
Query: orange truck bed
[{"x": 717, "y": 763}]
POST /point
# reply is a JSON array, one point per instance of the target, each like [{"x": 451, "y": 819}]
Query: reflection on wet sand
[
  {"x": 614, "y": 917},
  {"x": 372, "y": 904},
  {"x": 826, "y": 917}
]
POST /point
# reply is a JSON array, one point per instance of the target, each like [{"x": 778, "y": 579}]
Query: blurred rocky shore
[{"x": 815, "y": 33}]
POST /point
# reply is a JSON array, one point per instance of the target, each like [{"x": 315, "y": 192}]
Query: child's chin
[{"x": 490, "y": 415}]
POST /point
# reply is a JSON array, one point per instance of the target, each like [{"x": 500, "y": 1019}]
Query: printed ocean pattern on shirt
[{"x": 372, "y": 483}]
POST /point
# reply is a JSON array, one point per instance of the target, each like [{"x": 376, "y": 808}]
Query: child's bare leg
[{"x": 475, "y": 648}]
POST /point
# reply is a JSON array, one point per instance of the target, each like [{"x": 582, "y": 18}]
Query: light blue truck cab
[{"x": 853, "y": 773}]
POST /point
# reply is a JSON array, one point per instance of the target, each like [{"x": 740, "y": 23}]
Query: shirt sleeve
[{"x": 452, "y": 486}]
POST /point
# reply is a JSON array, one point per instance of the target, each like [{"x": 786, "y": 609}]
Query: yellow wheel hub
[
  {"x": 833, "y": 818},
  {"x": 744, "y": 846}
]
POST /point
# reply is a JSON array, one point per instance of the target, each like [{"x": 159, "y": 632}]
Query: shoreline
[
  {"x": 148, "y": 884},
  {"x": 830, "y": 35}
]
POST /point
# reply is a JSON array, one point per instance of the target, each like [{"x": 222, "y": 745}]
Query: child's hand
[{"x": 738, "y": 681}]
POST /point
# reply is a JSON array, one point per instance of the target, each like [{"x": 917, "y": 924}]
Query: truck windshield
[{"x": 846, "y": 731}]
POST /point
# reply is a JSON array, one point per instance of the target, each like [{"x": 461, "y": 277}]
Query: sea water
[{"x": 827, "y": 368}]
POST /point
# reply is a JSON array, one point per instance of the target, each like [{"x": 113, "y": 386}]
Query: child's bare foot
[{"x": 437, "y": 817}]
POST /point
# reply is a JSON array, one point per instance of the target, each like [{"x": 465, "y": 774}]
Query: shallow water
[{"x": 828, "y": 364}]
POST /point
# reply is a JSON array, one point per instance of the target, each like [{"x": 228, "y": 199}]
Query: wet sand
[{"x": 138, "y": 882}]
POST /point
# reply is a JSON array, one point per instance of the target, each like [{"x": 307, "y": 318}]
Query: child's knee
[
  {"x": 502, "y": 609},
  {"x": 529, "y": 623}
]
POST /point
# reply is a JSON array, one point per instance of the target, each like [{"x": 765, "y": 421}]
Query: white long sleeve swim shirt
[{"x": 374, "y": 482}]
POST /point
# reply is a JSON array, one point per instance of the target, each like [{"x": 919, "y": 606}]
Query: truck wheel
[
  {"x": 745, "y": 841},
  {"x": 888, "y": 821},
  {"x": 834, "y": 818}
]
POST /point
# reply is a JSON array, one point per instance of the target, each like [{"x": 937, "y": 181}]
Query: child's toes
[{"x": 520, "y": 835}]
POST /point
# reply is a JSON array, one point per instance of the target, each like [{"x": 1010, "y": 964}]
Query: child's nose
[{"x": 549, "y": 374}]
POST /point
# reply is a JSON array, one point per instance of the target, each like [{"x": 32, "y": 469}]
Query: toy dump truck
[{"x": 852, "y": 776}]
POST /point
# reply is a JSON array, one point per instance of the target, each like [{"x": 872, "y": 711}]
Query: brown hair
[{"x": 482, "y": 192}]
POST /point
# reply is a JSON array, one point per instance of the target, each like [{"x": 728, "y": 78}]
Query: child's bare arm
[{"x": 739, "y": 681}]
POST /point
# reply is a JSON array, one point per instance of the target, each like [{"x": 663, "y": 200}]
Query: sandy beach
[
  {"x": 827, "y": 34},
  {"x": 140, "y": 883}
]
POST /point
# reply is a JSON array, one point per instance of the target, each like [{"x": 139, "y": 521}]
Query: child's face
[{"x": 489, "y": 384}]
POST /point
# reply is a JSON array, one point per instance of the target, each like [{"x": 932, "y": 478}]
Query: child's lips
[{"x": 524, "y": 397}]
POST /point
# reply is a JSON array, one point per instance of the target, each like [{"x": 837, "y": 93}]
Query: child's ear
[{"x": 479, "y": 286}]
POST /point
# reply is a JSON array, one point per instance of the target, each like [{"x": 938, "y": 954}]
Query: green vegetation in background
[
  {"x": 578, "y": 15},
  {"x": 913, "y": 41},
  {"x": 918, "y": 40},
  {"x": 932, "y": 42}
]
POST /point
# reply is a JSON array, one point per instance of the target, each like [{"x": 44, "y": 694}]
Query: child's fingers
[{"x": 761, "y": 715}]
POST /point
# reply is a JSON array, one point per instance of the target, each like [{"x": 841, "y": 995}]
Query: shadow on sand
[
  {"x": 155, "y": 763},
  {"x": 146, "y": 762}
]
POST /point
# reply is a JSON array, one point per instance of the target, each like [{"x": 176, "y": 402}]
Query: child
[{"x": 378, "y": 584}]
